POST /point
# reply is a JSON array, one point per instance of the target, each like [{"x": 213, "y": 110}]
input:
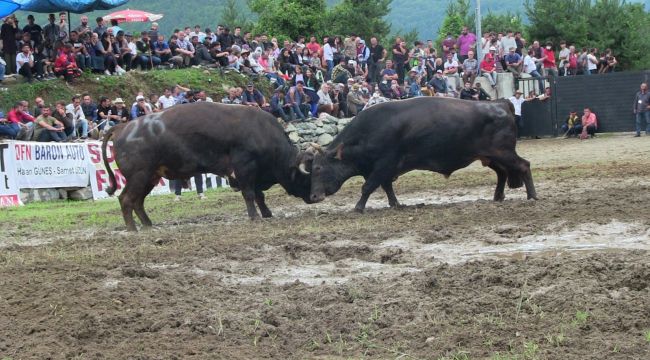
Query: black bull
[
  {"x": 425, "y": 133},
  {"x": 245, "y": 144}
]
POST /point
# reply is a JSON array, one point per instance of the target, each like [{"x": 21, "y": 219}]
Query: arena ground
[{"x": 451, "y": 276}]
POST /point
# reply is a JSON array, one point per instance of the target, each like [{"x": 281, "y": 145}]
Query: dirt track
[{"x": 452, "y": 275}]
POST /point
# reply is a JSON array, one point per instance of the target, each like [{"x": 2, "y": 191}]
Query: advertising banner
[
  {"x": 9, "y": 191},
  {"x": 99, "y": 180},
  {"x": 50, "y": 165}
]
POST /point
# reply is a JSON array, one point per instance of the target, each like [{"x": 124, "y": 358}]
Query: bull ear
[{"x": 339, "y": 152}]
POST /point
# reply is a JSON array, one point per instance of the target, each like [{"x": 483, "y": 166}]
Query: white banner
[
  {"x": 50, "y": 165},
  {"x": 99, "y": 180},
  {"x": 9, "y": 191}
]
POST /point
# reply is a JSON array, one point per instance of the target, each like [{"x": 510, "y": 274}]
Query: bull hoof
[
  {"x": 397, "y": 206},
  {"x": 359, "y": 210},
  {"x": 532, "y": 197},
  {"x": 267, "y": 215},
  {"x": 499, "y": 198}
]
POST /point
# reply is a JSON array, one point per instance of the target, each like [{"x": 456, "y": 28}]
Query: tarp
[
  {"x": 73, "y": 6},
  {"x": 8, "y": 8}
]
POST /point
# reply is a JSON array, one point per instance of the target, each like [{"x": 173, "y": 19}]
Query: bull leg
[
  {"x": 502, "y": 175},
  {"x": 518, "y": 173},
  {"x": 383, "y": 173},
  {"x": 390, "y": 193},
  {"x": 127, "y": 205},
  {"x": 528, "y": 181},
  {"x": 259, "y": 199},
  {"x": 139, "y": 207},
  {"x": 249, "y": 198}
]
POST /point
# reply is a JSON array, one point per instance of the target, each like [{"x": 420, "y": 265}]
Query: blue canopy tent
[
  {"x": 8, "y": 7},
  {"x": 71, "y": 6}
]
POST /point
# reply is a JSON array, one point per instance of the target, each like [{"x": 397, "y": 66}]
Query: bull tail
[{"x": 111, "y": 176}]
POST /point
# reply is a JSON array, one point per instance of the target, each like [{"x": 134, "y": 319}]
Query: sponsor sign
[
  {"x": 9, "y": 191},
  {"x": 50, "y": 165},
  {"x": 99, "y": 180}
]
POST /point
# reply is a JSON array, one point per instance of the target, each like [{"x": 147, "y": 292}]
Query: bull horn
[
  {"x": 302, "y": 169},
  {"x": 316, "y": 147}
]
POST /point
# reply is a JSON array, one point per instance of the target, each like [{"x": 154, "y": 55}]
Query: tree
[
  {"x": 231, "y": 15},
  {"x": 365, "y": 18},
  {"x": 290, "y": 18},
  {"x": 501, "y": 22},
  {"x": 458, "y": 15},
  {"x": 555, "y": 20}
]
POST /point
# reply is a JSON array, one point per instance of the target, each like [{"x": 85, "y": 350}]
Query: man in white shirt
[
  {"x": 325, "y": 103},
  {"x": 517, "y": 101},
  {"x": 530, "y": 68},
  {"x": 79, "y": 121},
  {"x": 25, "y": 63},
  {"x": 167, "y": 100},
  {"x": 451, "y": 72}
]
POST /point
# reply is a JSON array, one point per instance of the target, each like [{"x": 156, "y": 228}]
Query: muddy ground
[{"x": 452, "y": 275}]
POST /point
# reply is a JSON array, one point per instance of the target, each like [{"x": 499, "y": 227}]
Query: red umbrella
[{"x": 132, "y": 16}]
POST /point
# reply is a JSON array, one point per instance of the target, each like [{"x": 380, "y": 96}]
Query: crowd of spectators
[{"x": 339, "y": 76}]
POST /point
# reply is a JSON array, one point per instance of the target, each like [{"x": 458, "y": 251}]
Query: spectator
[
  {"x": 482, "y": 94},
  {"x": 184, "y": 49},
  {"x": 507, "y": 42},
  {"x": 451, "y": 73},
  {"x": 642, "y": 109},
  {"x": 325, "y": 103},
  {"x": 297, "y": 100},
  {"x": 167, "y": 100},
  {"x": 3, "y": 67},
  {"x": 400, "y": 56},
  {"x": 198, "y": 181},
  {"x": 592, "y": 62},
  {"x": 489, "y": 69},
  {"x": 340, "y": 73},
  {"x": 8, "y": 32},
  {"x": 79, "y": 122},
  {"x": 79, "y": 52},
  {"x": 572, "y": 125},
  {"x": 17, "y": 119},
  {"x": 466, "y": 42},
  {"x": 589, "y": 124},
  {"x": 571, "y": 67},
  {"x": 140, "y": 107},
  {"x": 25, "y": 64},
  {"x": 278, "y": 106},
  {"x": 447, "y": 44},
  {"x": 119, "y": 113},
  {"x": 89, "y": 108},
  {"x": 101, "y": 28},
  {"x": 122, "y": 53},
  {"x": 563, "y": 56},
  {"x": 521, "y": 42},
  {"x": 548, "y": 60},
  {"x": 530, "y": 68},
  {"x": 313, "y": 45},
  {"x": 51, "y": 32},
  {"x": 376, "y": 60},
  {"x": 146, "y": 58},
  {"x": 439, "y": 84},
  {"x": 48, "y": 128},
  {"x": 355, "y": 100},
  {"x": 413, "y": 84},
  {"x": 607, "y": 63},
  {"x": 232, "y": 97},
  {"x": 328, "y": 56},
  {"x": 470, "y": 68},
  {"x": 34, "y": 30},
  {"x": 153, "y": 31},
  {"x": 517, "y": 101},
  {"x": 105, "y": 114},
  {"x": 65, "y": 65},
  {"x": 38, "y": 109},
  {"x": 468, "y": 92},
  {"x": 83, "y": 30},
  {"x": 514, "y": 63},
  {"x": 253, "y": 97}
]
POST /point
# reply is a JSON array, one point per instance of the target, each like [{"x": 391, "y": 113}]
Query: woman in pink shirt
[{"x": 589, "y": 123}]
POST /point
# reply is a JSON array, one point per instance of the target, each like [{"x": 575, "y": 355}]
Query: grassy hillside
[
  {"x": 424, "y": 15},
  {"x": 127, "y": 86}
]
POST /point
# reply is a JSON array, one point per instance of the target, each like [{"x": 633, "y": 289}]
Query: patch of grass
[
  {"x": 646, "y": 335},
  {"x": 580, "y": 318}
]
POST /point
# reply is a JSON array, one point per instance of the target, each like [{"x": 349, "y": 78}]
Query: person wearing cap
[
  {"x": 355, "y": 100},
  {"x": 572, "y": 126},
  {"x": 517, "y": 101},
  {"x": 253, "y": 97},
  {"x": 438, "y": 83},
  {"x": 514, "y": 62},
  {"x": 413, "y": 83},
  {"x": 489, "y": 68},
  {"x": 140, "y": 107},
  {"x": 119, "y": 112}
]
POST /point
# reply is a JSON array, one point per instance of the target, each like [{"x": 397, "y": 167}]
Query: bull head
[{"x": 312, "y": 150}]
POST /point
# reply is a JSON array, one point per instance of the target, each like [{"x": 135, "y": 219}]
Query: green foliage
[
  {"x": 290, "y": 18},
  {"x": 502, "y": 22},
  {"x": 361, "y": 17},
  {"x": 232, "y": 16}
]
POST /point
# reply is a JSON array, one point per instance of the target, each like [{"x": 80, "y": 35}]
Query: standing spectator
[
  {"x": 642, "y": 109},
  {"x": 451, "y": 72},
  {"x": 178, "y": 187},
  {"x": 376, "y": 60},
  {"x": 63, "y": 26},
  {"x": 520, "y": 43},
  {"x": 79, "y": 122},
  {"x": 572, "y": 62},
  {"x": 592, "y": 62},
  {"x": 313, "y": 45},
  {"x": 8, "y": 32},
  {"x": 25, "y": 65},
  {"x": 589, "y": 123},
  {"x": 101, "y": 28},
  {"x": 48, "y": 128},
  {"x": 153, "y": 31},
  {"x": 507, "y": 42},
  {"x": 563, "y": 56},
  {"x": 517, "y": 100},
  {"x": 470, "y": 68},
  {"x": 548, "y": 60},
  {"x": 530, "y": 68},
  {"x": 447, "y": 44},
  {"x": 328, "y": 56},
  {"x": 51, "y": 32},
  {"x": 466, "y": 42},
  {"x": 34, "y": 30},
  {"x": 400, "y": 56},
  {"x": 83, "y": 30}
]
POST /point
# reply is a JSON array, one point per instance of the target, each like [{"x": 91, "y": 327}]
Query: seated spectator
[
  {"x": 413, "y": 84},
  {"x": 17, "y": 119},
  {"x": 297, "y": 100},
  {"x": 279, "y": 107},
  {"x": 589, "y": 124},
  {"x": 161, "y": 49},
  {"x": 341, "y": 73},
  {"x": 25, "y": 64},
  {"x": 167, "y": 100},
  {"x": 470, "y": 68},
  {"x": 3, "y": 67},
  {"x": 119, "y": 112},
  {"x": 38, "y": 109},
  {"x": 325, "y": 103},
  {"x": 355, "y": 100},
  {"x": 451, "y": 73},
  {"x": 146, "y": 57},
  {"x": 255, "y": 98},
  {"x": 103, "y": 60},
  {"x": 66, "y": 65},
  {"x": 122, "y": 53},
  {"x": 396, "y": 91},
  {"x": 468, "y": 93},
  {"x": 79, "y": 122},
  {"x": 489, "y": 69},
  {"x": 48, "y": 128},
  {"x": 182, "y": 50},
  {"x": 514, "y": 62},
  {"x": 482, "y": 94},
  {"x": 572, "y": 126},
  {"x": 438, "y": 83},
  {"x": 104, "y": 113},
  {"x": 339, "y": 98},
  {"x": 63, "y": 117},
  {"x": 89, "y": 107},
  {"x": 44, "y": 60},
  {"x": 232, "y": 97},
  {"x": 141, "y": 107},
  {"x": 79, "y": 52}
]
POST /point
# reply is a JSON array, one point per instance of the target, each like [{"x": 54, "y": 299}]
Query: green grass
[{"x": 646, "y": 335}]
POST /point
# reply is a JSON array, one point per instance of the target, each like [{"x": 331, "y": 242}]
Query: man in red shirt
[
  {"x": 548, "y": 60},
  {"x": 17, "y": 118},
  {"x": 313, "y": 46},
  {"x": 489, "y": 68}
]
